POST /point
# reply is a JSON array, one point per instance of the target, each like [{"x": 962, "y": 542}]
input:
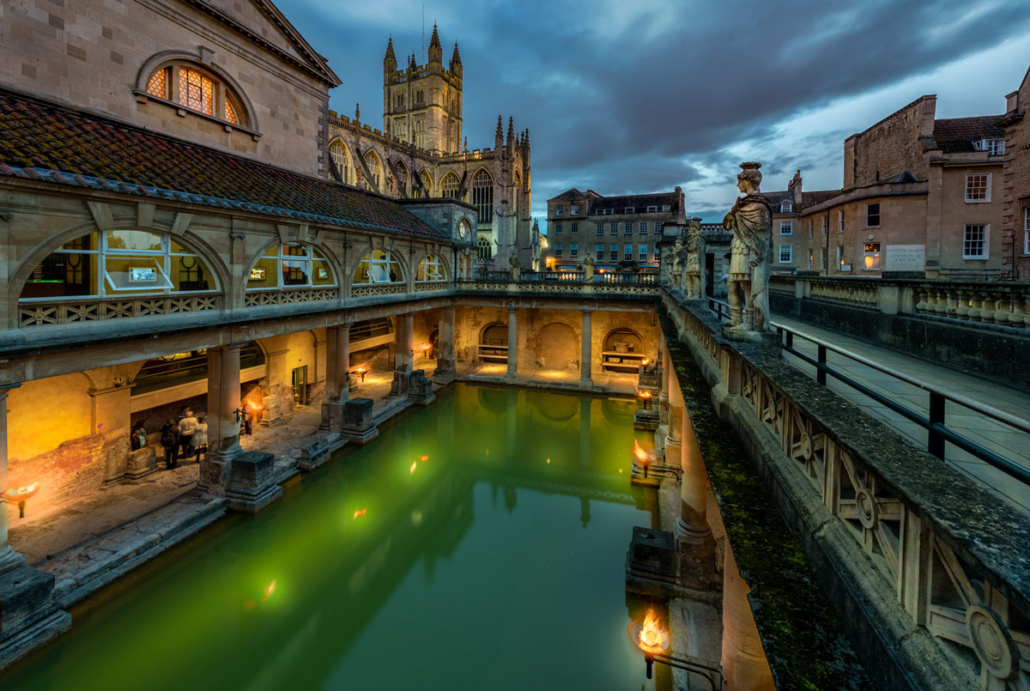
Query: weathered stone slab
[{"x": 252, "y": 484}]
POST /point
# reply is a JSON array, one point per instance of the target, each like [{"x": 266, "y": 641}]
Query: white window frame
[
  {"x": 557, "y": 250},
  {"x": 790, "y": 254},
  {"x": 666, "y": 207},
  {"x": 652, "y": 209},
  {"x": 559, "y": 210},
  {"x": 786, "y": 227},
  {"x": 642, "y": 253},
  {"x": 557, "y": 228},
  {"x": 599, "y": 227},
  {"x": 786, "y": 207},
  {"x": 573, "y": 250},
  {"x": 840, "y": 220},
  {"x": 840, "y": 257},
  {"x": 627, "y": 252},
  {"x": 613, "y": 229},
  {"x": 658, "y": 227},
  {"x": 867, "y": 254},
  {"x": 879, "y": 215},
  {"x": 599, "y": 251},
  {"x": 613, "y": 253},
  {"x": 574, "y": 228},
  {"x": 642, "y": 228},
  {"x": 379, "y": 269},
  {"x": 574, "y": 210},
  {"x": 627, "y": 228},
  {"x": 432, "y": 266},
  {"x": 987, "y": 188},
  {"x": 985, "y": 240},
  {"x": 826, "y": 223},
  {"x": 631, "y": 209}
]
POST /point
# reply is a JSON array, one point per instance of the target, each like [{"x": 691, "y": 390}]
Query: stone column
[
  {"x": 337, "y": 380},
  {"x": 223, "y": 426},
  {"x": 513, "y": 343},
  {"x": 110, "y": 412},
  {"x": 9, "y": 559},
  {"x": 663, "y": 398},
  {"x": 674, "y": 440},
  {"x": 692, "y": 529},
  {"x": 585, "y": 362},
  {"x": 445, "y": 362},
  {"x": 403, "y": 354}
]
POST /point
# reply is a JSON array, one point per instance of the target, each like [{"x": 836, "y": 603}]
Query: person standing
[
  {"x": 138, "y": 438},
  {"x": 187, "y": 428},
  {"x": 200, "y": 437},
  {"x": 170, "y": 442}
]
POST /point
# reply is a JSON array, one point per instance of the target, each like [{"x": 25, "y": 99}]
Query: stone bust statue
[
  {"x": 750, "y": 220},
  {"x": 678, "y": 256},
  {"x": 695, "y": 247}
]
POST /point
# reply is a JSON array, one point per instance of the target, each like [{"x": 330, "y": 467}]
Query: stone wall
[
  {"x": 73, "y": 468},
  {"x": 90, "y": 55},
  {"x": 1016, "y": 187},
  {"x": 891, "y": 146}
]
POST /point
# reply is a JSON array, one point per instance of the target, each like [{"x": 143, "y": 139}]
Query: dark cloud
[{"x": 617, "y": 98}]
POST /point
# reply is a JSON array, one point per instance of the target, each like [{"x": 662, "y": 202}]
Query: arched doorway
[{"x": 623, "y": 350}]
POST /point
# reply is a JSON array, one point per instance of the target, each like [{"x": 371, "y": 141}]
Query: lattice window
[
  {"x": 196, "y": 91},
  {"x": 290, "y": 265},
  {"x": 378, "y": 266},
  {"x": 485, "y": 249},
  {"x": 230, "y": 113},
  {"x": 974, "y": 242},
  {"x": 375, "y": 170},
  {"x": 338, "y": 154},
  {"x": 978, "y": 188},
  {"x": 158, "y": 83},
  {"x": 430, "y": 269}
]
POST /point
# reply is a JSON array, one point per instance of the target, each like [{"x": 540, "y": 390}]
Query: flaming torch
[
  {"x": 362, "y": 371},
  {"x": 655, "y": 641},
  {"x": 645, "y": 395},
  {"x": 20, "y": 496},
  {"x": 643, "y": 457},
  {"x": 425, "y": 348}
]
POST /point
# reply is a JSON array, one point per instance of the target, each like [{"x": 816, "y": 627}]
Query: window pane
[
  {"x": 136, "y": 274},
  {"x": 63, "y": 274},
  {"x": 133, "y": 241},
  {"x": 157, "y": 86},
  {"x": 322, "y": 274},
  {"x": 295, "y": 251},
  {"x": 188, "y": 273},
  {"x": 295, "y": 272},
  {"x": 265, "y": 272},
  {"x": 196, "y": 91}
]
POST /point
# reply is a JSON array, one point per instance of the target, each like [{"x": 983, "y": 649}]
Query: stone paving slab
[{"x": 1000, "y": 438}]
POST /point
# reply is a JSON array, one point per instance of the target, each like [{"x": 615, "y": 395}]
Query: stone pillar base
[
  {"x": 696, "y": 549},
  {"x": 9, "y": 559},
  {"x": 651, "y": 564},
  {"x": 252, "y": 484},
  {"x": 28, "y": 616},
  {"x": 358, "y": 425},
  {"x": 316, "y": 454},
  {"x": 420, "y": 389},
  {"x": 511, "y": 377},
  {"x": 586, "y": 383},
  {"x": 332, "y": 416},
  {"x": 399, "y": 387},
  {"x": 645, "y": 420},
  {"x": 141, "y": 463},
  {"x": 446, "y": 366}
]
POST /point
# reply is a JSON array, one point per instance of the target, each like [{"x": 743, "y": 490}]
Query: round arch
[
  {"x": 441, "y": 263},
  {"x": 618, "y": 336},
  {"x": 377, "y": 262},
  {"x": 264, "y": 259}
]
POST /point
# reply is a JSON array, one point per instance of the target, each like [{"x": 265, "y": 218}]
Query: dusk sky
[{"x": 635, "y": 96}]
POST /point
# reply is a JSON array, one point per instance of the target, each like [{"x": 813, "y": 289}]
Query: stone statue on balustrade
[
  {"x": 588, "y": 268},
  {"x": 750, "y": 220},
  {"x": 513, "y": 262},
  {"x": 678, "y": 256},
  {"x": 695, "y": 248}
]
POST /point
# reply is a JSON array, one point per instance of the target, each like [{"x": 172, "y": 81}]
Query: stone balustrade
[
  {"x": 977, "y": 302},
  {"x": 903, "y": 537}
]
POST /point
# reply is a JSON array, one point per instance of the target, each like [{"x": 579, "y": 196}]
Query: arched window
[
  {"x": 290, "y": 266},
  {"x": 485, "y": 249},
  {"x": 430, "y": 269},
  {"x": 420, "y": 96},
  {"x": 401, "y": 174},
  {"x": 517, "y": 206},
  {"x": 378, "y": 266},
  {"x": 198, "y": 89},
  {"x": 427, "y": 182},
  {"x": 483, "y": 196},
  {"x": 118, "y": 263},
  {"x": 340, "y": 157},
  {"x": 374, "y": 167},
  {"x": 449, "y": 187}
]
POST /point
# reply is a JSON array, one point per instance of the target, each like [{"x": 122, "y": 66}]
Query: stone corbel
[
  {"x": 145, "y": 214},
  {"x": 288, "y": 233},
  {"x": 207, "y": 56},
  {"x": 181, "y": 223},
  {"x": 102, "y": 215}
]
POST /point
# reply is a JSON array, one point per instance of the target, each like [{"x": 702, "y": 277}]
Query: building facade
[
  {"x": 922, "y": 197},
  {"x": 420, "y": 153},
  {"x": 616, "y": 232},
  {"x": 1016, "y": 184}
]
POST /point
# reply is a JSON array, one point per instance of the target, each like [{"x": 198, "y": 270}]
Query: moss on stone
[{"x": 802, "y": 636}]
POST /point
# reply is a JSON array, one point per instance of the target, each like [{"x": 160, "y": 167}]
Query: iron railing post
[
  {"x": 820, "y": 375},
  {"x": 935, "y": 440}
]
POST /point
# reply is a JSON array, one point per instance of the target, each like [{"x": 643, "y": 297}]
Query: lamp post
[
  {"x": 645, "y": 396},
  {"x": 654, "y": 641},
  {"x": 20, "y": 495}
]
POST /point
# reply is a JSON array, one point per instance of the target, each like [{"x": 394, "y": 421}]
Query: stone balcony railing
[{"x": 973, "y": 302}]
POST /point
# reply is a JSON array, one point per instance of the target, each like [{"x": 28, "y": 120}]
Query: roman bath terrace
[{"x": 287, "y": 401}]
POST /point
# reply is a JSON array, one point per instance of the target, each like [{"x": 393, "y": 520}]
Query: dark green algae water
[{"x": 498, "y": 563}]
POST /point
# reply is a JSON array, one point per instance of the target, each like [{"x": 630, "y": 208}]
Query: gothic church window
[
  {"x": 400, "y": 173},
  {"x": 338, "y": 154},
  {"x": 375, "y": 170},
  {"x": 486, "y": 250},
  {"x": 119, "y": 263},
  {"x": 449, "y": 187},
  {"x": 427, "y": 182},
  {"x": 483, "y": 196}
]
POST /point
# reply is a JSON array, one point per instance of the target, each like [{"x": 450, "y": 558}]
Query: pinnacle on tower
[
  {"x": 435, "y": 49},
  {"x": 456, "y": 58},
  {"x": 357, "y": 112},
  {"x": 412, "y": 65},
  {"x": 466, "y": 144},
  {"x": 511, "y": 130},
  {"x": 390, "y": 56},
  {"x": 499, "y": 135}
]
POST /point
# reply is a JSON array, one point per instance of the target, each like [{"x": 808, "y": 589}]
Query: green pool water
[{"x": 497, "y": 563}]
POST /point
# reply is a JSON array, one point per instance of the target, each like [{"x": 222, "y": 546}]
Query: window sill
[
  {"x": 144, "y": 97},
  {"x": 978, "y": 201},
  {"x": 978, "y": 258}
]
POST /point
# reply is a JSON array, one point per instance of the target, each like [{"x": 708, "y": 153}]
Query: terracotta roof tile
[{"x": 52, "y": 143}]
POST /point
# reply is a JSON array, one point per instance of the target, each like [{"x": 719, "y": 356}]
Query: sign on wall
[{"x": 906, "y": 257}]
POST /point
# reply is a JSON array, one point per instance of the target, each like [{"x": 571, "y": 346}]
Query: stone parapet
[{"x": 919, "y": 560}]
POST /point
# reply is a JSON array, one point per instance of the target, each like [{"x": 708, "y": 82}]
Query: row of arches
[{"x": 130, "y": 262}]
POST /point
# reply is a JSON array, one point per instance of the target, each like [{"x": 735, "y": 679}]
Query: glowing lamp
[
  {"x": 20, "y": 495},
  {"x": 425, "y": 348},
  {"x": 644, "y": 457},
  {"x": 655, "y": 642},
  {"x": 645, "y": 396},
  {"x": 645, "y": 362},
  {"x": 362, "y": 371}
]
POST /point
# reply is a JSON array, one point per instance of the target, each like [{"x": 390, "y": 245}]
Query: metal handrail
[{"x": 937, "y": 431}]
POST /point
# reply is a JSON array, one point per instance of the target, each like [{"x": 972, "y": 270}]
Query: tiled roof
[
  {"x": 958, "y": 134},
  {"x": 807, "y": 198},
  {"x": 818, "y": 197},
  {"x": 51, "y": 143},
  {"x": 568, "y": 195}
]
